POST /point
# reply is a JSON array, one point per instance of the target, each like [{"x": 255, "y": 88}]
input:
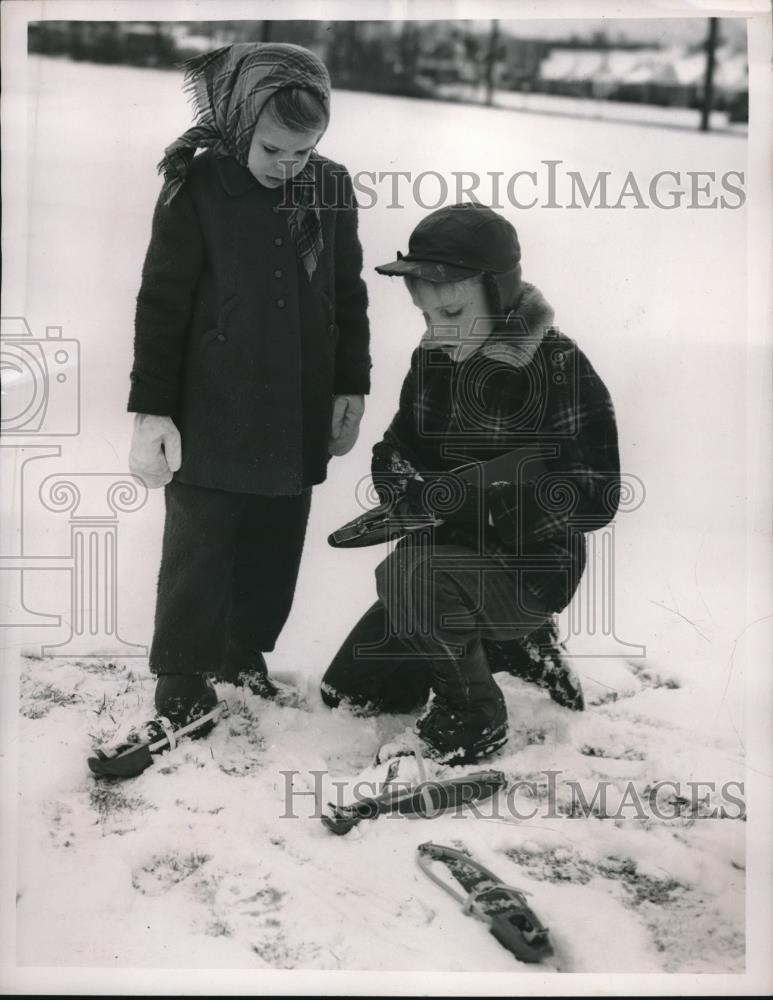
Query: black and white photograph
[{"x": 385, "y": 567}]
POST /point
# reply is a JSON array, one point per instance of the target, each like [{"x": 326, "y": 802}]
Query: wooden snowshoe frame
[{"x": 503, "y": 907}]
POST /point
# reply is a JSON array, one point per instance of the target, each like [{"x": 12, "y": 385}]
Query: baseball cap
[{"x": 457, "y": 242}]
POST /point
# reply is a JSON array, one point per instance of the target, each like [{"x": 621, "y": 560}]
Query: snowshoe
[
  {"x": 504, "y": 908},
  {"x": 132, "y": 755},
  {"x": 427, "y": 799},
  {"x": 384, "y": 523}
]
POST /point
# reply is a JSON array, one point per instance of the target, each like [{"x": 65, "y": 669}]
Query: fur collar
[{"x": 515, "y": 341}]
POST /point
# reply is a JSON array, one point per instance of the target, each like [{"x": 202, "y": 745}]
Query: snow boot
[
  {"x": 250, "y": 671},
  {"x": 467, "y": 717},
  {"x": 257, "y": 682},
  {"x": 184, "y": 698},
  {"x": 541, "y": 659},
  {"x": 256, "y": 678}
]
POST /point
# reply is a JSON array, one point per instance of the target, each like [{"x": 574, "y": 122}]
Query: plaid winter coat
[
  {"x": 530, "y": 393},
  {"x": 232, "y": 338}
]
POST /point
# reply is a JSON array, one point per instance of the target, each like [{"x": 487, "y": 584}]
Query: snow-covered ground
[{"x": 194, "y": 864}]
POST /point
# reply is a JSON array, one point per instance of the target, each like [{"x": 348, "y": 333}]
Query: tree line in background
[{"x": 434, "y": 59}]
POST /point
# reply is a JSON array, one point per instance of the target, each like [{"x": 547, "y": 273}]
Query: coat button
[
  {"x": 278, "y": 241},
  {"x": 221, "y": 337},
  {"x": 278, "y": 273},
  {"x": 280, "y": 303},
  {"x": 331, "y": 328}
]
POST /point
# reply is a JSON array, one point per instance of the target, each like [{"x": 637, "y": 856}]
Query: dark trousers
[
  {"x": 434, "y": 600},
  {"x": 229, "y": 566}
]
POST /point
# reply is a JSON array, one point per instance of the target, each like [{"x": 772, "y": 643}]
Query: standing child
[
  {"x": 251, "y": 362},
  {"x": 505, "y": 446}
]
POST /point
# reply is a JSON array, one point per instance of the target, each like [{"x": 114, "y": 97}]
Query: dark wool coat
[
  {"x": 235, "y": 343},
  {"x": 527, "y": 387}
]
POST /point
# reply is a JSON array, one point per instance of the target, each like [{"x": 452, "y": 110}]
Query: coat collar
[
  {"x": 236, "y": 179},
  {"x": 516, "y": 341}
]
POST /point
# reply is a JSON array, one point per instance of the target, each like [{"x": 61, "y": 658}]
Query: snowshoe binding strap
[
  {"x": 427, "y": 799},
  {"x": 166, "y": 725},
  {"x": 503, "y": 907},
  {"x": 134, "y": 754}
]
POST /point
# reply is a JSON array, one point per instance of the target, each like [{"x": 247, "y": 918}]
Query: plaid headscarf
[{"x": 229, "y": 88}]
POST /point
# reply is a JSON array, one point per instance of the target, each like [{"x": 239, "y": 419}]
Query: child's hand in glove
[
  {"x": 156, "y": 450},
  {"x": 347, "y": 414},
  {"x": 445, "y": 496}
]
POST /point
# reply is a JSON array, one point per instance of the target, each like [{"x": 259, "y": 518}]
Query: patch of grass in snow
[
  {"x": 535, "y": 735},
  {"x": 97, "y": 666},
  {"x": 651, "y": 678},
  {"x": 607, "y": 697},
  {"x": 694, "y": 938},
  {"x": 108, "y": 799},
  {"x": 562, "y": 865},
  {"x": 555, "y": 865},
  {"x": 642, "y": 888},
  {"x": 43, "y": 698},
  {"x": 163, "y": 871},
  {"x": 195, "y": 809},
  {"x": 630, "y": 753},
  {"x": 692, "y": 932},
  {"x": 274, "y": 949},
  {"x": 244, "y": 753},
  {"x": 678, "y": 808},
  {"x": 269, "y": 898},
  {"x": 206, "y": 888}
]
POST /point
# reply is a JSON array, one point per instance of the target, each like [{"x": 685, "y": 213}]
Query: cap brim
[{"x": 427, "y": 269}]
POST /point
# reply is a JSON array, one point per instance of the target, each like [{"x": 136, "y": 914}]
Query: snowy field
[{"x": 192, "y": 864}]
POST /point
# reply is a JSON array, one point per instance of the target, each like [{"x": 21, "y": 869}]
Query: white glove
[
  {"x": 156, "y": 450},
  {"x": 345, "y": 427}
]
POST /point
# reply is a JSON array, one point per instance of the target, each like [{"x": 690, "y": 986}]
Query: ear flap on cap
[
  {"x": 509, "y": 285},
  {"x": 503, "y": 289}
]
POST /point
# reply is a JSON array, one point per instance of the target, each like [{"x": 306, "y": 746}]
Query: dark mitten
[{"x": 447, "y": 497}]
